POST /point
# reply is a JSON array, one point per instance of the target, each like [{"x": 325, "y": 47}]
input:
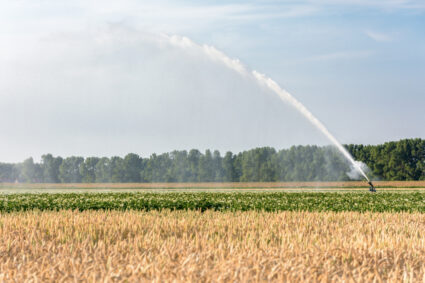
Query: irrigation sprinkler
[{"x": 372, "y": 187}]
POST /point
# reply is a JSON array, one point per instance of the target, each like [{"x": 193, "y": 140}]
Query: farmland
[
  {"x": 219, "y": 201},
  {"x": 212, "y": 232},
  {"x": 108, "y": 246},
  {"x": 387, "y": 186},
  {"x": 218, "y": 185}
]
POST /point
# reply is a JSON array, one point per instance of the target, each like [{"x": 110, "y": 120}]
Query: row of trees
[{"x": 402, "y": 160}]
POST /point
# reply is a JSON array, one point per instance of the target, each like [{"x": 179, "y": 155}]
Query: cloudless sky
[{"x": 86, "y": 78}]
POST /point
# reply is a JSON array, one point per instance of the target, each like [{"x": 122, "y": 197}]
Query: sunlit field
[
  {"x": 212, "y": 141},
  {"x": 208, "y": 232},
  {"x": 360, "y": 201},
  {"x": 108, "y": 246},
  {"x": 254, "y": 186}
]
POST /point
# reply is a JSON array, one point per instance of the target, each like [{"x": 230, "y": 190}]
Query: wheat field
[{"x": 191, "y": 246}]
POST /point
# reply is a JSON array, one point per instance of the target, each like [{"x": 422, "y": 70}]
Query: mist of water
[{"x": 236, "y": 65}]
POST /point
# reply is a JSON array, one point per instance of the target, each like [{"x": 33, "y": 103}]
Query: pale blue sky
[{"x": 71, "y": 84}]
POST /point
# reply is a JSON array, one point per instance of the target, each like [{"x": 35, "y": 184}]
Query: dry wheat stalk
[{"x": 187, "y": 246}]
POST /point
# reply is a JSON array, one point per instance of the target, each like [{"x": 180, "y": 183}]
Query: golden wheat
[{"x": 184, "y": 246}]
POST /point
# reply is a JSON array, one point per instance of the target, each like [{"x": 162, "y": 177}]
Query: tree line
[{"x": 401, "y": 160}]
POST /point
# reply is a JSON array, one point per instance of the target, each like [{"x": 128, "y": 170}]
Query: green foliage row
[
  {"x": 402, "y": 160},
  {"x": 267, "y": 201}
]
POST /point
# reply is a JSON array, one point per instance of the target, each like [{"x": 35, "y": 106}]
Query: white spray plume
[
  {"x": 354, "y": 173},
  {"x": 216, "y": 55},
  {"x": 210, "y": 51},
  {"x": 286, "y": 96}
]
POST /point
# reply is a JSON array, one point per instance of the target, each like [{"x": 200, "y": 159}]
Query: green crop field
[
  {"x": 296, "y": 232},
  {"x": 218, "y": 201}
]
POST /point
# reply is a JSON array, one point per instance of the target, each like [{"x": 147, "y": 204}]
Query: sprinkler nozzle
[{"x": 372, "y": 187}]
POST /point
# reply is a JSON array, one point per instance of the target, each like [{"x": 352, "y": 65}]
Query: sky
[{"x": 101, "y": 78}]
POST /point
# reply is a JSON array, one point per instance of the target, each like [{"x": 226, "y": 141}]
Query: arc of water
[
  {"x": 236, "y": 65},
  {"x": 286, "y": 96}
]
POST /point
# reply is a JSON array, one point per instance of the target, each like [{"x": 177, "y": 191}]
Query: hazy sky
[{"x": 95, "y": 77}]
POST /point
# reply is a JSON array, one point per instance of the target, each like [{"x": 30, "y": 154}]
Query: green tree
[
  {"x": 181, "y": 170},
  {"x": 69, "y": 170},
  {"x": 50, "y": 166},
  {"x": 88, "y": 170},
  {"x": 103, "y": 170},
  {"x": 401, "y": 160},
  {"x": 217, "y": 167},
  {"x": 194, "y": 158},
  {"x": 117, "y": 170},
  {"x": 132, "y": 166},
  {"x": 229, "y": 174},
  {"x": 206, "y": 167},
  {"x": 257, "y": 165},
  {"x": 9, "y": 173},
  {"x": 31, "y": 172}
]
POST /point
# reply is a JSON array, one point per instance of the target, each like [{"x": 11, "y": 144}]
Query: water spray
[{"x": 236, "y": 65}]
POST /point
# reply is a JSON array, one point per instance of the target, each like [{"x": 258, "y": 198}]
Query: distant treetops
[{"x": 402, "y": 160}]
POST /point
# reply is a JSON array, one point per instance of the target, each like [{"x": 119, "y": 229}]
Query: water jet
[{"x": 234, "y": 64}]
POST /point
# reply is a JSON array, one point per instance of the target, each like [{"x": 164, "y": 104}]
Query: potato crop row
[{"x": 267, "y": 201}]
